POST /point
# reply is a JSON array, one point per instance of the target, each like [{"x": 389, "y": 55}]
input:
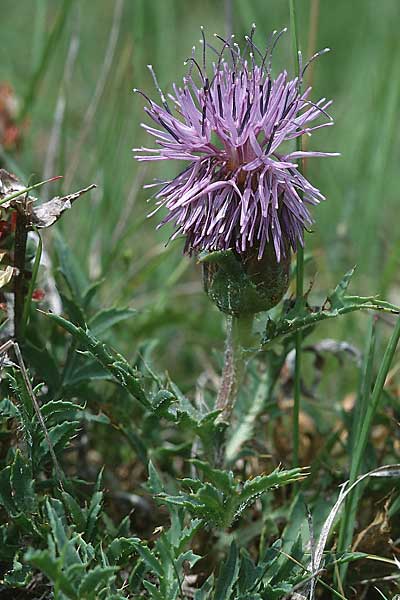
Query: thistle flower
[{"x": 240, "y": 191}]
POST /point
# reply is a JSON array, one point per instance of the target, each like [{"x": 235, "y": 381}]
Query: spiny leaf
[
  {"x": 94, "y": 579},
  {"x": 262, "y": 483},
  {"x": 336, "y": 298},
  {"x": 223, "y": 480},
  {"x": 115, "y": 364},
  {"x": 52, "y": 568},
  {"x": 148, "y": 556}
]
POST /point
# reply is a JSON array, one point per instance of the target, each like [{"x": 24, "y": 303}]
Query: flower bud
[{"x": 244, "y": 284}]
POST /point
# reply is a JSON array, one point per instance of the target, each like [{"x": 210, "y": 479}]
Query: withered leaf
[
  {"x": 5, "y": 276},
  {"x": 48, "y": 213},
  {"x": 8, "y": 185},
  {"x": 41, "y": 216}
]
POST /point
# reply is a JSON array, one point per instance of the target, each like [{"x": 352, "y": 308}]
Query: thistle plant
[{"x": 242, "y": 203}]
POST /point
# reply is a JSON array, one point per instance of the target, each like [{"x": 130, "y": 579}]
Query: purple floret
[{"x": 238, "y": 191}]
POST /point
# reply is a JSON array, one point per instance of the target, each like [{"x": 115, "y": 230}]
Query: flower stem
[
  {"x": 299, "y": 270},
  {"x": 238, "y": 338}
]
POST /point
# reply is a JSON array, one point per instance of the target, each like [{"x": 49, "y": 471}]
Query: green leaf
[
  {"x": 262, "y": 483},
  {"x": 248, "y": 573},
  {"x": 99, "y": 576},
  {"x": 108, "y": 317},
  {"x": 60, "y": 435},
  {"x": 73, "y": 310},
  {"x": 22, "y": 484},
  {"x": 44, "y": 365},
  {"x": 70, "y": 268},
  {"x": 6, "y": 492},
  {"x": 228, "y": 575},
  {"x": 154, "y": 483},
  {"x": 303, "y": 317},
  {"x": 148, "y": 556},
  {"x": 8, "y": 410},
  {"x": 223, "y": 480},
  {"x": 19, "y": 576},
  {"x": 187, "y": 534},
  {"x": 87, "y": 372},
  {"x": 78, "y": 516},
  {"x": 337, "y": 297},
  {"x": 153, "y": 591},
  {"x": 58, "y": 411},
  {"x": 121, "y": 548},
  {"x": 52, "y": 568},
  {"x": 121, "y": 370}
]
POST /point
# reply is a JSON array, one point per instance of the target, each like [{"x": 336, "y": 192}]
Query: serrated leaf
[
  {"x": 223, "y": 480},
  {"x": 302, "y": 317},
  {"x": 193, "y": 484},
  {"x": 52, "y": 568},
  {"x": 56, "y": 411},
  {"x": 74, "y": 573},
  {"x": 336, "y": 297},
  {"x": 60, "y": 435},
  {"x": 148, "y": 556},
  {"x": 161, "y": 404},
  {"x": 19, "y": 576},
  {"x": 121, "y": 548},
  {"x": 188, "y": 557},
  {"x": 287, "y": 563},
  {"x": 94, "y": 579},
  {"x": 121, "y": 370},
  {"x": 153, "y": 591},
  {"x": 262, "y": 483},
  {"x": 228, "y": 575},
  {"x": 187, "y": 534},
  {"x": 56, "y": 523},
  {"x": 8, "y": 410}
]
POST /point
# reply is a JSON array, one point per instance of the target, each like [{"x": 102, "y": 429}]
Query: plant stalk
[
  {"x": 238, "y": 337},
  {"x": 299, "y": 268}
]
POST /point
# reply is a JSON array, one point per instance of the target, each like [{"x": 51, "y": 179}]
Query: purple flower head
[{"x": 239, "y": 191}]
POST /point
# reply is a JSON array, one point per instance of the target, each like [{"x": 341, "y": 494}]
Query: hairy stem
[{"x": 238, "y": 337}]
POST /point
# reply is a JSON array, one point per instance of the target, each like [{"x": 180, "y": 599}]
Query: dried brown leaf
[
  {"x": 5, "y": 276},
  {"x": 48, "y": 213}
]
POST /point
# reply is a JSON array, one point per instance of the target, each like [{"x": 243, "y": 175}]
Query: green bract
[{"x": 245, "y": 285}]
